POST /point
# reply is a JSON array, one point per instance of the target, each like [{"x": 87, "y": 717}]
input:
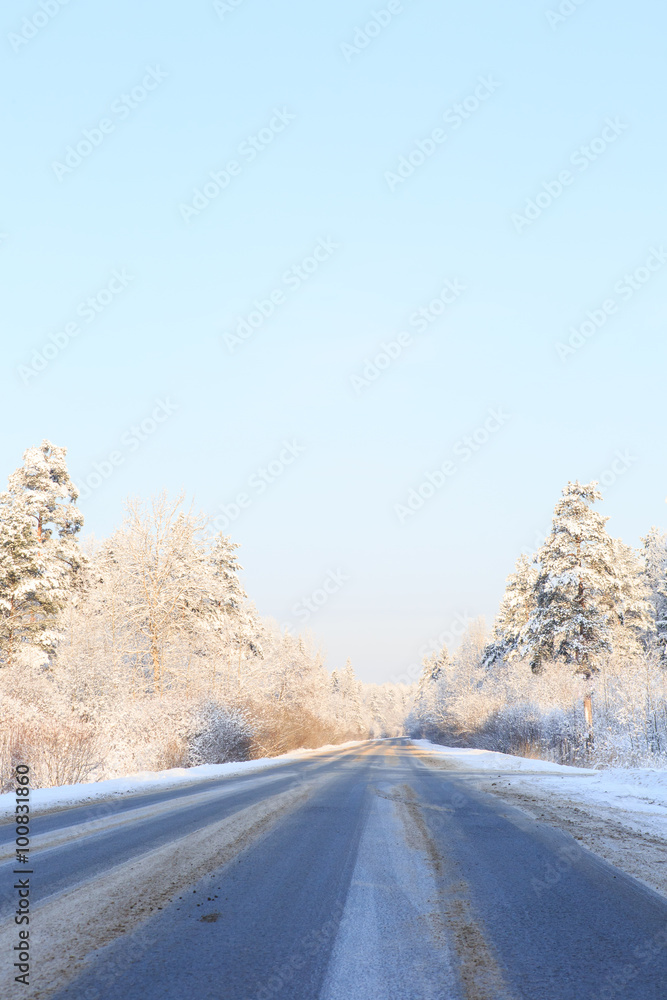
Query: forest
[{"x": 142, "y": 651}]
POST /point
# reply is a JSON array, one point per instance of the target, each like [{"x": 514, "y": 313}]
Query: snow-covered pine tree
[
  {"x": 433, "y": 671},
  {"x": 226, "y": 569},
  {"x": 655, "y": 573},
  {"x": 40, "y": 560},
  {"x": 631, "y": 613},
  {"x": 352, "y": 689},
  {"x": 238, "y": 619},
  {"x": 516, "y": 607},
  {"x": 347, "y": 699},
  {"x": 374, "y": 710},
  {"x": 575, "y": 587}
]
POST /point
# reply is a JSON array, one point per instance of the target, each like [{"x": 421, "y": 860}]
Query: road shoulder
[
  {"x": 613, "y": 835},
  {"x": 619, "y": 815}
]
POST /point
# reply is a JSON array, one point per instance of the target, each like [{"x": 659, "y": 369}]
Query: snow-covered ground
[
  {"x": 487, "y": 760},
  {"x": 44, "y": 800},
  {"x": 619, "y": 813}
]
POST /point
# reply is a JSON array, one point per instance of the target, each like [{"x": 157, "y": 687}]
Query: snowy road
[{"x": 362, "y": 874}]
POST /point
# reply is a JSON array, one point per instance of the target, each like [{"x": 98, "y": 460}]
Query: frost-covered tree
[
  {"x": 347, "y": 698},
  {"x": 516, "y": 607},
  {"x": 157, "y": 570},
  {"x": 432, "y": 670},
  {"x": 655, "y": 574},
  {"x": 449, "y": 694},
  {"x": 40, "y": 560},
  {"x": 229, "y": 603},
  {"x": 434, "y": 673},
  {"x": 225, "y": 569},
  {"x": 575, "y": 586},
  {"x": 630, "y": 610},
  {"x": 294, "y": 673}
]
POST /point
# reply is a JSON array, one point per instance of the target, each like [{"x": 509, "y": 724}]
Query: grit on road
[{"x": 358, "y": 874}]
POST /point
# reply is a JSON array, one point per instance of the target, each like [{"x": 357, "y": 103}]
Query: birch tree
[{"x": 158, "y": 571}]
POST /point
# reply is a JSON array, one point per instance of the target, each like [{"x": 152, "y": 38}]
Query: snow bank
[
  {"x": 48, "y": 799},
  {"x": 639, "y": 794},
  {"x": 488, "y": 760},
  {"x": 636, "y": 792}
]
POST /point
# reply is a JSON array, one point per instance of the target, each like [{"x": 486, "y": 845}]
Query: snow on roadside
[
  {"x": 619, "y": 813},
  {"x": 640, "y": 793},
  {"x": 488, "y": 760},
  {"x": 44, "y": 800},
  {"x": 637, "y": 796}
]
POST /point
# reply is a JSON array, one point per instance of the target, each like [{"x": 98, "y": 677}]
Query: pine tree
[
  {"x": 234, "y": 614},
  {"x": 434, "y": 670},
  {"x": 231, "y": 599},
  {"x": 631, "y": 613},
  {"x": 655, "y": 575},
  {"x": 516, "y": 608},
  {"x": 575, "y": 586},
  {"x": 226, "y": 569},
  {"x": 40, "y": 560},
  {"x": 347, "y": 694}
]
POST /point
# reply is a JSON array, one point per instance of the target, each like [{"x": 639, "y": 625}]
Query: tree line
[
  {"x": 575, "y": 667},
  {"x": 142, "y": 651}
]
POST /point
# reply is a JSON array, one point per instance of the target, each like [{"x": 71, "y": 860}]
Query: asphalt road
[{"x": 388, "y": 879}]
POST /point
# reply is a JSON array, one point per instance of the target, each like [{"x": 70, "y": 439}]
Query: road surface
[{"x": 360, "y": 874}]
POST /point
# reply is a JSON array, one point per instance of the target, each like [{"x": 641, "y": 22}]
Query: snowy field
[
  {"x": 43, "y": 800},
  {"x": 619, "y": 813}
]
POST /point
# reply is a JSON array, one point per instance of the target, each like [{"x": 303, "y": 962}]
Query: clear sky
[{"x": 363, "y": 175}]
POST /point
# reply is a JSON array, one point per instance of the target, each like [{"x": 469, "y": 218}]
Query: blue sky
[{"x": 332, "y": 127}]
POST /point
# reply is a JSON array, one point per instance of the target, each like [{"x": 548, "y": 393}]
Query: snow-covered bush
[
  {"x": 277, "y": 729},
  {"x": 219, "y": 735},
  {"x": 527, "y": 730},
  {"x": 59, "y": 751}
]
